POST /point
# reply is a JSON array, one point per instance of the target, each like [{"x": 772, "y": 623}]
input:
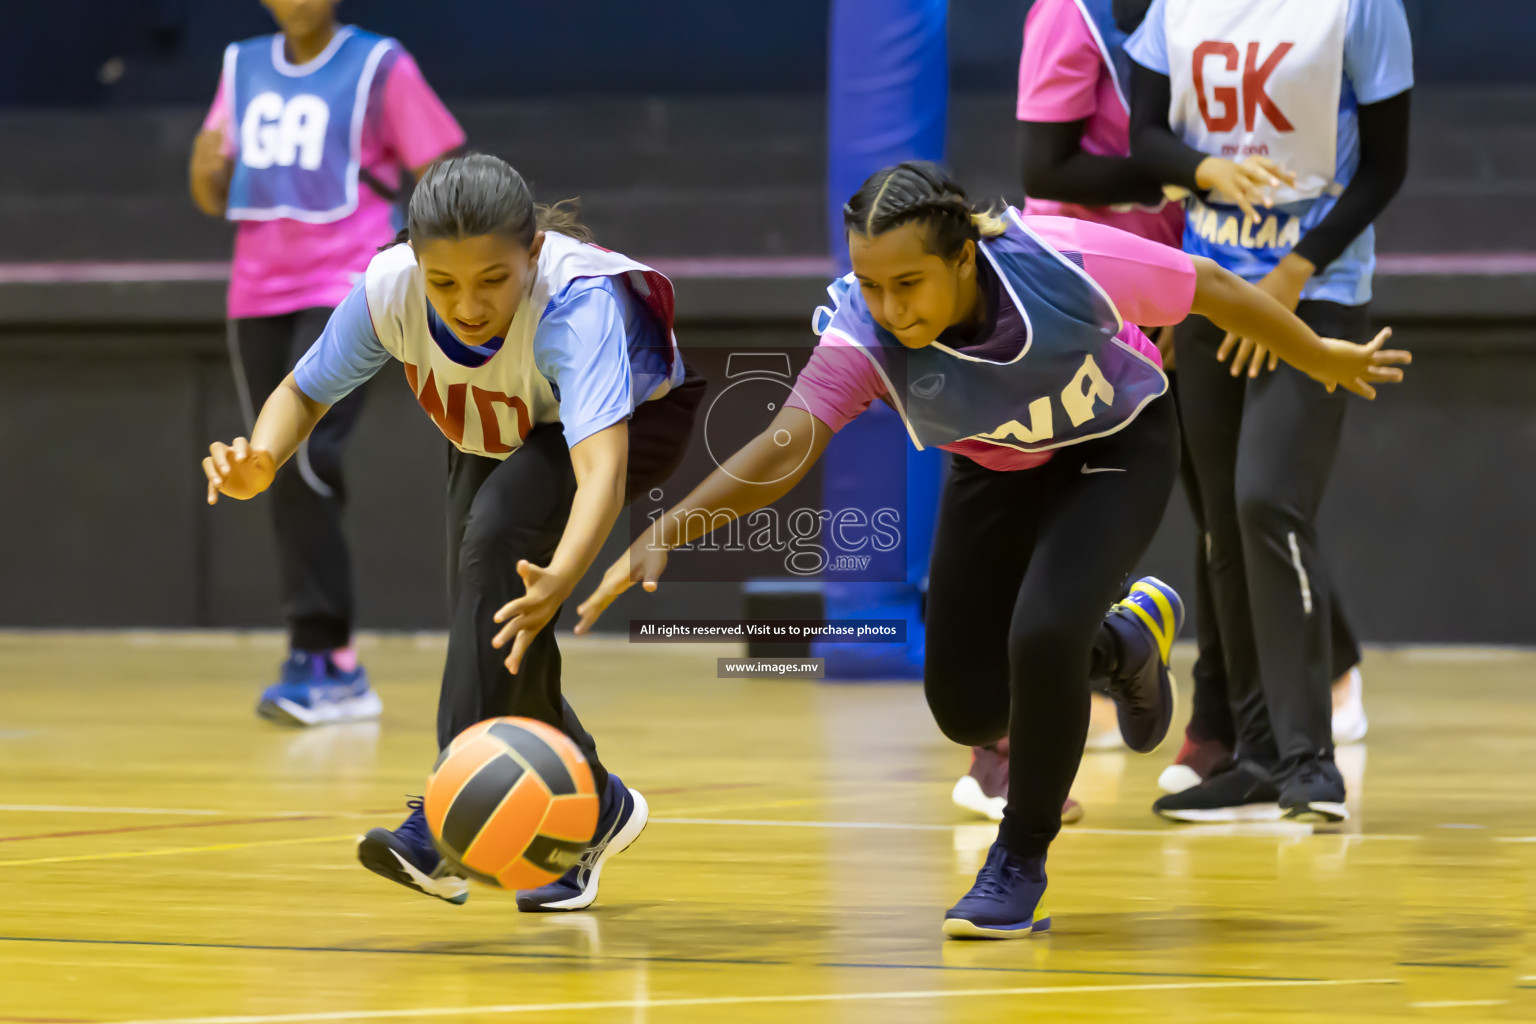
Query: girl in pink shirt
[
  {"x": 305, "y": 148},
  {"x": 1004, "y": 340}
]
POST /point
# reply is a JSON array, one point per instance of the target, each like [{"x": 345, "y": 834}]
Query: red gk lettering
[
  {"x": 1223, "y": 94},
  {"x": 1220, "y": 111},
  {"x": 1254, "y": 96}
]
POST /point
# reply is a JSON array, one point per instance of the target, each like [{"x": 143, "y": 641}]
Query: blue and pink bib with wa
[
  {"x": 1073, "y": 379},
  {"x": 300, "y": 126}
]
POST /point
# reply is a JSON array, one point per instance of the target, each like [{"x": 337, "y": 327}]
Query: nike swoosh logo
[{"x": 1102, "y": 469}]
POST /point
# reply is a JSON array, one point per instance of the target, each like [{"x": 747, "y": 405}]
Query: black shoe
[
  {"x": 1314, "y": 792},
  {"x": 408, "y": 856},
  {"x": 1241, "y": 792},
  {"x": 1144, "y": 625}
]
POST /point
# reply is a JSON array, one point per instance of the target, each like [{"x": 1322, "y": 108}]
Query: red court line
[
  {"x": 672, "y": 790},
  {"x": 163, "y": 828}
]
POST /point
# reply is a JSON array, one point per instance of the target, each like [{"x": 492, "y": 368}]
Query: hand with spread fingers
[
  {"x": 643, "y": 565},
  {"x": 1356, "y": 368},
  {"x": 1246, "y": 184},
  {"x": 1284, "y": 285}
]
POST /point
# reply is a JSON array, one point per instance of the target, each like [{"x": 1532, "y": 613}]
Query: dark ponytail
[
  {"x": 916, "y": 190},
  {"x": 477, "y": 194}
]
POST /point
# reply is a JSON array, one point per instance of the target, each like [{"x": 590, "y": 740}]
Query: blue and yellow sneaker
[
  {"x": 1144, "y": 626},
  {"x": 623, "y": 818},
  {"x": 407, "y": 856},
  {"x": 1007, "y": 901},
  {"x": 314, "y": 690}
]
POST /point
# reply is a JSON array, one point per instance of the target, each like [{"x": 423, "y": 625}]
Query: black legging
[
  {"x": 500, "y": 511},
  {"x": 309, "y": 492},
  {"x": 1025, "y": 565},
  {"x": 1262, "y": 451},
  {"x": 1210, "y": 717}
]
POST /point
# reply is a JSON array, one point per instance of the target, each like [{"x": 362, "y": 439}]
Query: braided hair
[{"x": 916, "y": 190}]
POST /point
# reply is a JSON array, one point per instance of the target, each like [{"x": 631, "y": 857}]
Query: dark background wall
[
  {"x": 134, "y": 52},
  {"x": 689, "y": 130},
  {"x": 109, "y": 394}
]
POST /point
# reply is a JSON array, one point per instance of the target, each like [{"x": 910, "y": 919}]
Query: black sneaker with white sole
[
  {"x": 407, "y": 855},
  {"x": 1314, "y": 792},
  {"x": 1239, "y": 791},
  {"x": 622, "y": 820}
]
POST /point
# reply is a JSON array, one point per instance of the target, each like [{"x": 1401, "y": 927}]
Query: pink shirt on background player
[
  {"x": 1151, "y": 284},
  {"x": 281, "y": 266},
  {"x": 1063, "y": 77}
]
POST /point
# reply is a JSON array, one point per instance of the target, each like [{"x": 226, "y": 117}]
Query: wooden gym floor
[{"x": 166, "y": 857}]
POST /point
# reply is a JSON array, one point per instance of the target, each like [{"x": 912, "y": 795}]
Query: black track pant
[
  {"x": 309, "y": 492},
  {"x": 500, "y": 511},
  {"x": 1025, "y": 565},
  {"x": 1211, "y": 716},
  {"x": 1262, "y": 451}
]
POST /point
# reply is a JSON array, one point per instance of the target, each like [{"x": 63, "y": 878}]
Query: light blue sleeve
[
  {"x": 582, "y": 347},
  {"x": 1148, "y": 46},
  {"x": 346, "y": 354},
  {"x": 1378, "y": 51}
]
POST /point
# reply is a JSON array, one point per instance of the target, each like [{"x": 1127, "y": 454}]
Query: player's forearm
[
  {"x": 286, "y": 420},
  {"x": 728, "y": 493},
  {"x": 596, "y": 507},
  {"x": 1238, "y": 307}
]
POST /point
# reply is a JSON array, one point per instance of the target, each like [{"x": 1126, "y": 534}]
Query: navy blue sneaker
[
  {"x": 312, "y": 690},
  {"x": 1145, "y": 624},
  {"x": 1007, "y": 901},
  {"x": 620, "y": 824},
  {"x": 1314, "y": 793},
  {"x": 408, "y": 856}
]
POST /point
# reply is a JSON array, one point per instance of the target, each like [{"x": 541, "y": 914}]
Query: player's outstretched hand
[
  {"x": 238, "y": 470},
  {"x": 1357, "y": 367},
  {"x": 639, "y": 564},
  {"x": 544, "y": 590}
]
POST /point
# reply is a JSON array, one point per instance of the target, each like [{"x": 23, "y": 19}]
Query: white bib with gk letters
[{"x": 1260, "y": 78}]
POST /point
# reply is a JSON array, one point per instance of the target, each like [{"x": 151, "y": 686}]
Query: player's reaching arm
[
  {"x": 781, "y": 456},
  {"x": 1245, "y": 311},
  {"x": 345, "y": 355},
  {"x": 243, "y": 469}
]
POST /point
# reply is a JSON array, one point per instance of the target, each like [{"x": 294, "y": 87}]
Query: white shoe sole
[
  {"x": 1107, "y": 739},
  {"x": 1176, "y": 778},
  {"x": 355, "y": 709},
  {"x": 958, "y": 928},
  {"x": 382, "y": 860},
  {"x": 618, "y": 844},
  {"x": 1349, "y": 722},
  {"x": 967, "y": 796},
  {"x": 1242, "y": 812},
  {"x": 1318, "y": 812}
]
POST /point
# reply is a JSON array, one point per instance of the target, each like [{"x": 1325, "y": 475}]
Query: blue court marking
[
  {"x": 512, "y": 955},
  {"x": 1452, "y": 963}
]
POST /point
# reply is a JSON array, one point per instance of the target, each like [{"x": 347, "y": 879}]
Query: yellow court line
[
  {"x": 174, "y": 850},
  {"x": 830, "y": 997},
  {"x": 798, "y": 802}
]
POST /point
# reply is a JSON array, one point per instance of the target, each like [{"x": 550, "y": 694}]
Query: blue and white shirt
[
  {"x": 591, "y": 343},
  {"x": 1284, "y": 79}
]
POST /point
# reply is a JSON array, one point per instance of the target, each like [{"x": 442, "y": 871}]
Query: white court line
[
  {"x": 60, "y": 809},
  {"x": 1253, "y": 830},
  {"x": 179, "y": 811},
  {"x": 1453, "y": 1003},
  {"x": 831, "y": 997},
  {"x": 1246, "y": 830}
]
